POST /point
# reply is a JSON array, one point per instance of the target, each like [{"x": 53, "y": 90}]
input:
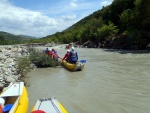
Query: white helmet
[
  {"x": 2, "y": 101},
  {"x": 72, "y": 48}
]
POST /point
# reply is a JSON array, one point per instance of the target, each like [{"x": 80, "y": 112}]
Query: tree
[
  {"x": 2, "y": 40},
  {"x": 126, "y": 20},
  {"x": 143, "y": 8},
  {"x": 107, "y": 31},
  {"x": 117, "y": 7}
]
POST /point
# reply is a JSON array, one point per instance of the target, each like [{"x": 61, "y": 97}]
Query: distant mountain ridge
[
  {"x": 23, "y": 36},
  {"x": 8, "y": 38},
  {"x": 26, "y": 36}
]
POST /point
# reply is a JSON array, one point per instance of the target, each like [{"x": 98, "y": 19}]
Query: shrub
[
  {"x": 107, "y": 31},
  {"x": 41, "y": 59},
  {"x": 23, "y": 65}
]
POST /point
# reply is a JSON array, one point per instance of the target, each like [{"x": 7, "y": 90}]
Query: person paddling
[
  {"x": 55, "y": 55},
  {"x": 66, "y": 57},
  {"x": 73, "y": 56},
  {"x": 50, "y": 53}
]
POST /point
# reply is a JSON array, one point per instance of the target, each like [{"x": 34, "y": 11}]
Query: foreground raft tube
[
  {"x": 73, "y": 67},
  {"x": 49, "y": 105},
  {"x": 16, "y": 95}
]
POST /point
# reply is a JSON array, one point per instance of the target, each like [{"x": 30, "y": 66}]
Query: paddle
[
  {"x": 83, "y": 61},
  {"x": 7, "y": 107}
]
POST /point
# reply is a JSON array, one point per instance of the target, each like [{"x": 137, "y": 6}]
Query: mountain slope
[
  {"x": 119, "y": 25},
  {"x": 8, "y": 38}
]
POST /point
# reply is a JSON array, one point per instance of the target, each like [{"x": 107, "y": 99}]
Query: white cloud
[
  {"x": 73, "y": 4},
  {"x": 69, "y": 17},
  {"x": 45, "y": 21},
  {"x": 106, "y": 3},
  {"x": 17, "y": 20}
]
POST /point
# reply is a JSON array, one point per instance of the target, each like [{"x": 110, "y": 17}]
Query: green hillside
[
  {"x": 7, "y": 38},
  {"x": 125, "y": 24}
]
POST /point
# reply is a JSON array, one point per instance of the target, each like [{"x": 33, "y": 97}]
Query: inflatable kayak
[
  {"x": 14, "y": 98},
  {"x": 73, "y": 67},
  {"x": 48, "y": 105}
]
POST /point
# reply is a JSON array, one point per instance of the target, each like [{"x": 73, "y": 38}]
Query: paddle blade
[
  {"x": 7, "y": 107},
  {"x": 83, "y": 61}
]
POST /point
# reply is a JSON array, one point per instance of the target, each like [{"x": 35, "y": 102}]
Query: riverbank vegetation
[
  {"x": 122, "y": 25},
  {"x": 35, "y": 58},
  {"x": 23, "y": 67},
  {"x": 41, "y": 59}
]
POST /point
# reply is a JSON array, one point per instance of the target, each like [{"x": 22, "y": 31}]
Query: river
[{"x": 112, "y": 81}]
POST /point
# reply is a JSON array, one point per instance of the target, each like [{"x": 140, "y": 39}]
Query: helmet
[
  {"x": 2, "y": 101},
  {"x": 72, "y": 48}
]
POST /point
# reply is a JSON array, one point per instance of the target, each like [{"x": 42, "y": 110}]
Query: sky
[{"x": 39, "y": 18}]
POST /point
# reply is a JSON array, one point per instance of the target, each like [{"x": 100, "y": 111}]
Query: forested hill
[
  {"x": 125, "y": 24},
  {"x": 7, "y": 38}
]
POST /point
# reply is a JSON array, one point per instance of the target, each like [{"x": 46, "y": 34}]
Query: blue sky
[{"x": 40, "y": 18}]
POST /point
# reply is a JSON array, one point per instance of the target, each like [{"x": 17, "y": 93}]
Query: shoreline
[
  {"x": 8, "y": 60},
  {"x": 9, "y": 53}
]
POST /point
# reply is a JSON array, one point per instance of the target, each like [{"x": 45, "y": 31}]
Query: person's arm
[
  {"x": 58, "y": 56},
  {"x": 64, "y": 56}
]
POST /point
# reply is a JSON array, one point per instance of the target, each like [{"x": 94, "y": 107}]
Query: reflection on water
[{"x": 111, "y": 82}]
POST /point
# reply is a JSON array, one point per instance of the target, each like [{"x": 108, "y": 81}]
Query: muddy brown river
[{"x": 112, "y": 81}]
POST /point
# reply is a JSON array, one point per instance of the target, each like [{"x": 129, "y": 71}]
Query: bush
[
  {"x": 107, "y": 31},
  {"x": 23, "y": 65},
  {"x": 41, "y": 59}
]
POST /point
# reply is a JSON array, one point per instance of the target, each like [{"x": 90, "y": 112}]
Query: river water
[{"x": 112, "y": 81}]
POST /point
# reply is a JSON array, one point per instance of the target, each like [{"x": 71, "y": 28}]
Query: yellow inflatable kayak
[
  {"x": 14, "y": 98},
  {"x": 73, "y": 67},
  {"x": 48, "y": 105}
]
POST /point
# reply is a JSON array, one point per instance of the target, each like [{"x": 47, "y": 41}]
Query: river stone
[
  {"x": 9, "y": 60},
  {"x": 4, "y": 57},
  {"x": 19, "y": 49},
  {"x": 9, "y": 66},
  {"x": 6, "y": 73},
  {"x": 2, "y": 49},
  {"x": 1, "y": 76},
  {"x": 15, "y": 77},
  {"x": 1, "y": 85},
  {"x": 1, "y": 64},
  {"x": 10, "y": 79},
  {"x": 3, "y": 61},
  {"x": 4, "y": 68},
  {"x": 14, "y": 49},
  {"x": 13, "y": 69},
  {"x": 9, "y": 71},
  {"x": 7, "y": 53}
]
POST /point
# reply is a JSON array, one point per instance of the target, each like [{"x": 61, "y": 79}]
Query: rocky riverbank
[
  {"x": 8, "y": 60},
  {"x": 8, "y": 65}
]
